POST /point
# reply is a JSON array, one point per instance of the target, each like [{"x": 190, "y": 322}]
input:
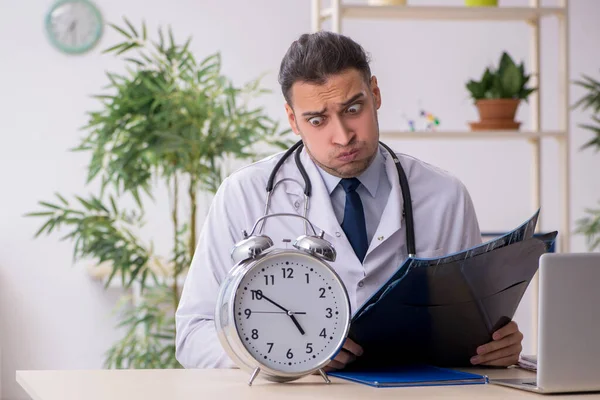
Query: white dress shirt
[
  {"x": 445, "y": 222},
  {"x": 374, "y": 191}
]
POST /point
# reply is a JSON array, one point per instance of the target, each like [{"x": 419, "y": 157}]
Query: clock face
[
  {"x": 74, "y": 26},
  {"x": 291, "y": 312}
]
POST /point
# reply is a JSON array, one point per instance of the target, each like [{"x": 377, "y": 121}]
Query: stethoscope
[{"x": 407, "y": 212}]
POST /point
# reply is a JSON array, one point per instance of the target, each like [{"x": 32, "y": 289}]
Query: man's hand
[
  {"x": 348, "y": 354},
  {"x": 504, "y": 350}
]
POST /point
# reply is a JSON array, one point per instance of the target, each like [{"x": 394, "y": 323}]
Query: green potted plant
[
  {"x": 481, "y": 3},
  {"x": 589, "y": 226},
  {"x": 498, "y": 93},
  {"x": 170, "y": 122}
]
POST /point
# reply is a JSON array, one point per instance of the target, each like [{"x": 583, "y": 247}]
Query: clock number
[
  {"x": 289, "y": 354},
  {"x": 270, "y": 347},
  {"x": 267, "y": 279},
  {"x": 248, "y": 312},
  {"x": 288, "y": 273},
  {"x": 307, "y": 278},
  {"x": 322, "y": 290},
  {"x": 323, "y": 333},
  {"x": 329, "y": 312},
  {"x": 257, "y": 295},
  {"x": 254, "y": 334},
  {"x": 309, "y": 348}
]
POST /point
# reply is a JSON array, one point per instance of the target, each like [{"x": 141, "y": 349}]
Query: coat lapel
[{"x": 391, "y": 219}]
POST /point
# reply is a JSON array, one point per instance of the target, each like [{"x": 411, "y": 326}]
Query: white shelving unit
[{"x": 532, "y": 14}]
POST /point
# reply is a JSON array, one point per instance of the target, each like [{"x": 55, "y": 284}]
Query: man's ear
[
  {"x": 292, "y": 118},
  {"x": 375, "y": 91}
]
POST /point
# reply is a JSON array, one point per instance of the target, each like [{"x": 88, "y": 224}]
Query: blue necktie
[{"x": 354, "y": 218}]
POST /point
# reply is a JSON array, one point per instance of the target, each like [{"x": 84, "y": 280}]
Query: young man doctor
[{"x": 331, "y": 103}]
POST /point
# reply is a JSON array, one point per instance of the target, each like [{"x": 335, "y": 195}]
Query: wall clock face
[{"x": 74, "y": 26}]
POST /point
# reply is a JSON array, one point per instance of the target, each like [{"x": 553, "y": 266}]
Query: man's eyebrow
[
  {"x": 352, "y": 99},
  {"x": 344, "y": 104},
  {"x": 314, "y": 113}
]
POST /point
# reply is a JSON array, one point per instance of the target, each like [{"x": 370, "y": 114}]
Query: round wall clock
[{"x": 74, "y": 26}]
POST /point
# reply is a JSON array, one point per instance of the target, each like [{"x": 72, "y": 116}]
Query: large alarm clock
[{"x": 283, "y": 313}]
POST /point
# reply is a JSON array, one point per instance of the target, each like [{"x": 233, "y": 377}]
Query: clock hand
[
  {"x": 270, "y": 301},
  {"x": 295, "y": 321},
  {"x": 268, "y": 312},
  {"x": 72, "y": 33},
  {"x": 276, "y": 312},
  {"x": 290, "y": 313}
]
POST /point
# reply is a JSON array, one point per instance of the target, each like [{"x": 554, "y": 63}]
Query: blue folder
[{"x": 415, "y": 375}]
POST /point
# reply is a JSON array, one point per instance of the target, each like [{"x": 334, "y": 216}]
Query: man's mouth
[{"x": 348, "y": 155}]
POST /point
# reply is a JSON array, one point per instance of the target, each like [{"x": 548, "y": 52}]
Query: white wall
[{"x": 52, "y": 316}]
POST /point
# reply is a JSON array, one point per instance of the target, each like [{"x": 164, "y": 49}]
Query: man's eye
[
  {"x": 315, "y": 121},
  {"x": 354, "y": 108}
]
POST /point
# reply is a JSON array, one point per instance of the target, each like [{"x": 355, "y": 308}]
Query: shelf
[
  {"x": 446, "y": 13},
  {"x": 470, "y": 135}
]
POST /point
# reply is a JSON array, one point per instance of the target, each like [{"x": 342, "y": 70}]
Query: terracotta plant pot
[
  {"x": 496, "y": 114},
  {"x": 497, "y": 108}
]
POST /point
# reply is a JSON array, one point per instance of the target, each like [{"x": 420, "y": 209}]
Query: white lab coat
[{"x": 444, "y": 216}]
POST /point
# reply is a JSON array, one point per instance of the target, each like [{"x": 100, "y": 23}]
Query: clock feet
[
  {"x": 324, "y": 375},
  {"x": 254, "y": 375}
]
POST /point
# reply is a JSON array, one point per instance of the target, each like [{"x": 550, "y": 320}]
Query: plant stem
[
  {"x": 175, "y": 218},
  {"x": 193, "y": 206}
]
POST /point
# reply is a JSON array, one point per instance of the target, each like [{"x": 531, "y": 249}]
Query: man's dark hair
[{"x": 316, "y": 56}]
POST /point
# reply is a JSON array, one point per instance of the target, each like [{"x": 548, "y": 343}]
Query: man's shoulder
[
  {"x": 430, "y": 178},
  {"x": 257, "y": 171},
  {"x": 414, "y": 165}
]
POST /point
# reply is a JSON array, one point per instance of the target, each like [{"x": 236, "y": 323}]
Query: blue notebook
[{"x": 416, "y": 375}]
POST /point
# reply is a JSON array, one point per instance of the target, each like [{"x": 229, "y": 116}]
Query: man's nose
[{"x": 343, "y": 134}]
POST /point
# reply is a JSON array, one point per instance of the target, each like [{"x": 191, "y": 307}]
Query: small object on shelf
[
  {"x": 481, "y": 3},
  {"x": 498, "y": 94},
  {"x": 430, "y": 121},
  {"x": 410, "y": 122},
  {"x": 387, "y": 2}
]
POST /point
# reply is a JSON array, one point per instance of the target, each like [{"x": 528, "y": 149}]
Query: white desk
[{"x": 232, "y": 384}]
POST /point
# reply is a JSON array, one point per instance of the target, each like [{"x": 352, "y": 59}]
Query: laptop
[{"x": 568, "y": 358}]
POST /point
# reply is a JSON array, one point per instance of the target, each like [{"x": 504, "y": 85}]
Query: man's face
[{"x": 337, "y": 121}]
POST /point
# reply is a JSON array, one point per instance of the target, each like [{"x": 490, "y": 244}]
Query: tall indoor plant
[
  {"x": 171, "y": 120},
  {"x": 498, "y": 94},
  {"x": 589, "y": 225}
]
